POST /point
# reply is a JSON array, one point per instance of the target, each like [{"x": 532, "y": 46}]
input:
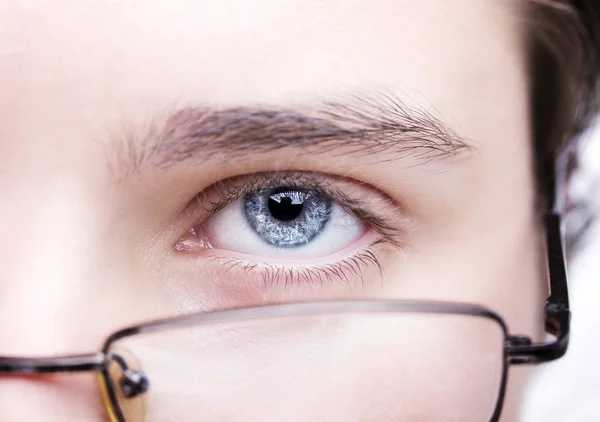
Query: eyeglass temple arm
[
  {"x": 76, "y": 363},
  {"x": 557, "y": 315}
]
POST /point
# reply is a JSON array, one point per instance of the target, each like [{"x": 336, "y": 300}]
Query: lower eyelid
[
  {"x": 208, "y": 281},
  {"x": 352, "y": 276}
]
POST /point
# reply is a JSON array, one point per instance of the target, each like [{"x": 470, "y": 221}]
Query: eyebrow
[{"x": 379, "y": 124}]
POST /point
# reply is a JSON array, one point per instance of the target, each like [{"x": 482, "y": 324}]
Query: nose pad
[
  {"x": 61, "y": 397},
  {"x": 126, "y": 387},
  {"x": 133, "y": 383}
]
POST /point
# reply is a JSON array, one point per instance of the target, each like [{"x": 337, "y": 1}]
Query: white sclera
[{"x": 229, "y": 230}]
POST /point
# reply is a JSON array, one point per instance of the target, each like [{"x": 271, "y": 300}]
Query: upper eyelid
[{"x": 388, "y": 217}]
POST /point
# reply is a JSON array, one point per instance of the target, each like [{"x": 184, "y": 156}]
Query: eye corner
[{"x": 193, "y": 241}]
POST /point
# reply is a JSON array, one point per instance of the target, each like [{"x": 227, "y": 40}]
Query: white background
[{"x": 569, "y": 389}]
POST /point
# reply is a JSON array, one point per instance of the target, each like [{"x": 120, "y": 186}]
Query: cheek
[{"x": 495, "y": 263}]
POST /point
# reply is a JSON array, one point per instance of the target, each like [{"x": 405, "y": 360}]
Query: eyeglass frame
[{"x": 518, "y": 349}]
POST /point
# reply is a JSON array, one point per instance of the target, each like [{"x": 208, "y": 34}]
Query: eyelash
[
  {"x": 235, "y": 188},
  {"x": 344, "y": 270}
]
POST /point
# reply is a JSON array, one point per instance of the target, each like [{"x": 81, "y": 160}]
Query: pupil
[{"x": 283, "y": 208}]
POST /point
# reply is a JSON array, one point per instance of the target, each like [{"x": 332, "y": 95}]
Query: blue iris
[{"x": 287, "y": 217}]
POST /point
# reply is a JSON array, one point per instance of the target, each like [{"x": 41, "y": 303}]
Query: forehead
[{"x": 136, "y": 52}]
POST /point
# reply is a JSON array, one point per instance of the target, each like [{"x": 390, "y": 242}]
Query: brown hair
[{"x": 565, "y": 70}]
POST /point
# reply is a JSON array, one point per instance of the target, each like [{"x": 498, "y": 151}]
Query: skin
[{"x": 89, "y": 247}]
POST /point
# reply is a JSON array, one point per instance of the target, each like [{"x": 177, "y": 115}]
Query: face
[{"x": 159, "y": 158}]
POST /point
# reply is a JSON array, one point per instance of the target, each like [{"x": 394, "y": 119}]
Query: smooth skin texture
[{"x": 88, "y": 244}]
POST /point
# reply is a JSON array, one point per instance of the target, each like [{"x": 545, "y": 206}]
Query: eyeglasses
[{"x": 345, "y": 360}]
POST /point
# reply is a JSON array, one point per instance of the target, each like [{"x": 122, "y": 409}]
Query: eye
[
  {"x": 283, "y": 221},
  {"x": 293, "y": 229}
]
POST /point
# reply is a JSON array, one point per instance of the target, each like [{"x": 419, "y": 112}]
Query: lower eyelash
[{"x": 346, "y": 271}]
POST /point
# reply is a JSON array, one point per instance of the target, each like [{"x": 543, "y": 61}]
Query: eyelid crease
[{"x": 379, "y": 210}]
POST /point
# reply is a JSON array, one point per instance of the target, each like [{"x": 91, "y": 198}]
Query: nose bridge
[
  {"x": 48, "y": 282},
  {"x": 49, "y": 262}
]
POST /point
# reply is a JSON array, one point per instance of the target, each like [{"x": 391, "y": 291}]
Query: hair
[{"x": 565, "y": 72}]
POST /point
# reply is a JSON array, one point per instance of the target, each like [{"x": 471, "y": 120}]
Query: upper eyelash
[{"x": 229, "y": 191}]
